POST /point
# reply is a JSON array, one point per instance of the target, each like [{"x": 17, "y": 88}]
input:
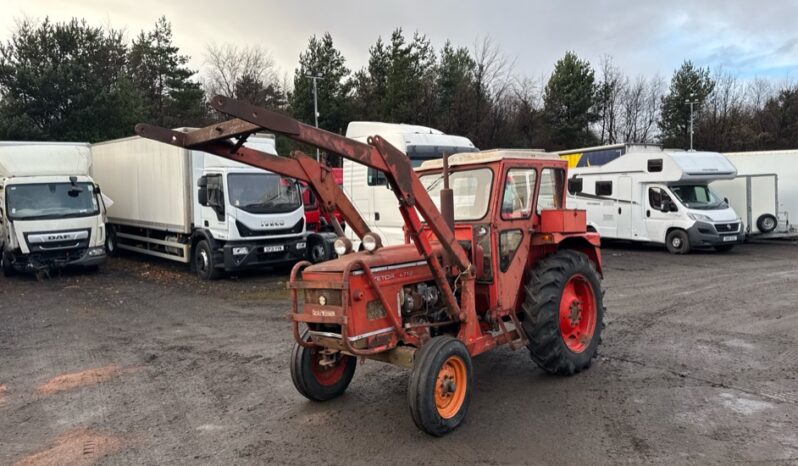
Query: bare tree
[
  {"x": 610, "y": 90},
  {"x": 227, "y": 65},
  {"x": 493, "y": 82},
  {"x": 639, "y": 109}
]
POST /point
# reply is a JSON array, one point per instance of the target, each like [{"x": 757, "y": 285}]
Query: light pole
[
  {"x": 691, "y": 101},
  {"x": 315, "y": 78}
]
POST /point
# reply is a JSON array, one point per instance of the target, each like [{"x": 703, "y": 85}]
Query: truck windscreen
[
  {"x": 263, "y": 193},
  {"x": 51, "y": 200},
  {"x": 698, "y": 196}
]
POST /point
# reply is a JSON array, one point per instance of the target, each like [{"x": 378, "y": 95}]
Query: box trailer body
[
  {"x": 51, "y": 210},
  {"x": 764, "y": 192},
  {"x": 198, "y": 208},
  {"x": 645, "y": 193},
  {"x": 368, "y": 188}
]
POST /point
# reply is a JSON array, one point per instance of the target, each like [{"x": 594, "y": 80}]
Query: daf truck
[
  {"x": 368, "y": 188},
  {"x": 51, "y": 210},
  {"x": 189, "y": 206},
  {"x": 642, "y": 192}
]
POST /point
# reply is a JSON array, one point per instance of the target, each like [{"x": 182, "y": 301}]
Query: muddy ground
[{"x": 143, "y": 364}]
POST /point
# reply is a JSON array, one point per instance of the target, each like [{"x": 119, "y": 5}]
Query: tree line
[{"x": 75, "y": 81}]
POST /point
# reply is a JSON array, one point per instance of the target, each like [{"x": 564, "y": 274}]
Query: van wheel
[
  {"x": 766, "y": 223},
  {"x": 204, "y": 262},
  {"x": 678, "y": 242},
  {"x": 8, "y": 269}
]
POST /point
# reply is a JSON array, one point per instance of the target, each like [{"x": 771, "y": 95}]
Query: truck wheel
[
  {"x": 440, "y": 385},
  {"x": 8, "y": 269},
  {"x": 317, "y": 251},
  {"x": 767, "y": 223},
  {"x": 564, "y": 312},
  {"x": 204, "y": 261},
  {"x": 677, "y": 242},
  {"x": 111, "y": 246},
  {"x": 316, "y": 382}
]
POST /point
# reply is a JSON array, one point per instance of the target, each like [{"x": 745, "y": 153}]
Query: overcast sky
[{"x": 747, "y": 38}]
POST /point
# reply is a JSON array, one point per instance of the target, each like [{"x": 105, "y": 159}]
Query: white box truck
[
  {"x": 764, "y": 192},
  {"x": 644, "y": 193},
  {"x": 189, "y": 206},
  {"x": 368, "y": 188},
  {"x": 51, "y": 211}
]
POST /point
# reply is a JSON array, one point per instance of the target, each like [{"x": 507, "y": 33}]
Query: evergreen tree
[
  {"x": 66, "y": 81},
  {"x": 688, "y": 83},
  {"x": 569, "y": 101},
  {"x": 454, "y": 87},
  {"x": 322, "y": 59},
  {"x": 160, "y": 72}
]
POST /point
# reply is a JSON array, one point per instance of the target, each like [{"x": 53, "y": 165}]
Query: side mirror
[
  {"x": 202, "y": 182},
  {"x": 202, "y": 196},
  {"x": 575, "y": 185},
  {"x": 726, "y": 200}
]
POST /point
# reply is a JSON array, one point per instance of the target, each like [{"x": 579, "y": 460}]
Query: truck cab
[{"x": 51, "y": 211}]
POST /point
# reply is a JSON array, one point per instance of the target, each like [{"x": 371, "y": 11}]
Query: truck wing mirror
[
  {"x": 575, "y": 185},
  {"x": 202, "y": 182},
  {"x": 202, "y": 196}
]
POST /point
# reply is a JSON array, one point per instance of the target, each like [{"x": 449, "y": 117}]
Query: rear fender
[{"x": 585, "y": 244}]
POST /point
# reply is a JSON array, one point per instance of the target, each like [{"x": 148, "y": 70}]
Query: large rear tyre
[
  {"x": 677, "y": 242},
  {"x": 204, "y": 261},
  {"x": 319, "y": 382},
  {"x": 440, "y": 385},
  {"x": 564, "y": 313}
]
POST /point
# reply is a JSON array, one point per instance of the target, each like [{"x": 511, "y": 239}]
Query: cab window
[
  {"x": 519, "y": 190},
  {"x": 551, "y": 189}
]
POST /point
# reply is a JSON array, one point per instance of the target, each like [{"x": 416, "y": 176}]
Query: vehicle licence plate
[
  {"x": 276, "y": 248},
  {"x": 729, "y": 238}
]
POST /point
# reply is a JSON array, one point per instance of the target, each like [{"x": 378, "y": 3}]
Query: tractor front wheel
[
  {"x": 440, "y": 385},
  {"x": 564, "y": 312},
  {"x": 320, "y": 377}
]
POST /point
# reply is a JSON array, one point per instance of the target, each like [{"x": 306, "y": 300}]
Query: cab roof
[{"x": 485, "y": 156}]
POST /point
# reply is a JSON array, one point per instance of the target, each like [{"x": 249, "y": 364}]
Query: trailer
[
  {"x": 192, "y": 207},
  {"x": 51, "y": 210},
  {"x": 764, "y": 193}
]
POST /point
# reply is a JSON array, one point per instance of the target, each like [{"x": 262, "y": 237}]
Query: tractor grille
[
  {"x": 727, "y": 227},
  {"x": 332, "y": 297}
]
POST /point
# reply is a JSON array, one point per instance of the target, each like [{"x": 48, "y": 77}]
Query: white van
[
  {"x": 645, "y": 193},
  {"x": 368, "y": 188}
]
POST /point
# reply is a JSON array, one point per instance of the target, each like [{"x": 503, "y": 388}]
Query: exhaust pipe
[{"x": 447, "y": 195}]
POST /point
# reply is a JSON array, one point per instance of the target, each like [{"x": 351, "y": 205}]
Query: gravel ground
[{"x": 143, "y": 364}]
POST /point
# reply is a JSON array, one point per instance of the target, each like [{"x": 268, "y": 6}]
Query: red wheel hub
[
  {"x": 577, "y": 313},
  {"x": 328, "y": 374}
]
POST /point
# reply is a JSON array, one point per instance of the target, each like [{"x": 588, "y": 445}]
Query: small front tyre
[
  {"x": 440, "y": 385},
  {"x": 317, "y": 381},
  {"x": 677, "y": 242},
  {"x": 7, "y": 266}
]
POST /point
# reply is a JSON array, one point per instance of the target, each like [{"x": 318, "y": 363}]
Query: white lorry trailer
[
  {"x": 193, "y": 207},
  {"x": 645, "y": 193},
  {"x": 764, "y": 192},
  {"x": 51, "y": 211},
  {"x": 368, "y": 188}
]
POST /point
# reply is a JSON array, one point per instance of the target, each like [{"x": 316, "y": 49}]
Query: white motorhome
[
  {"x": 764, "y": 191},
  {"x": 51, "y": 211},
  {"x": 645, "y": 193},
  {"x": 368, "y": 188},
  {"x": 197, "y": 208}
]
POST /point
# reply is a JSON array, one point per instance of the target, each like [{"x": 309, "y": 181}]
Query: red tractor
[{"x": 496, "y": 259}]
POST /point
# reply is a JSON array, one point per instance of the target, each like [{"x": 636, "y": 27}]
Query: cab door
[
  {"x": 658, "y": 212},
  {"x": 214, "y": 210}
]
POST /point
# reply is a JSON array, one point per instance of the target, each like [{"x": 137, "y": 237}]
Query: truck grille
[
  {"x": 58, "y": 242},
  {"x": 727, "y": 227},
  {"x": 247, "y": 232}
]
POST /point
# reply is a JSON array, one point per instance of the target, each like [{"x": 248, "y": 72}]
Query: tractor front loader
[{"x": 492, "y": 258}]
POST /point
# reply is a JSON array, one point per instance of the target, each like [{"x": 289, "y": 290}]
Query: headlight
[
  {"x": 98, "y": 251},
  {"x": 371, "y": 241},
  {"x": 322, "y": 300},
  {"x": 699, "y": 217},
  {"x": 342, "y": 246},
  {"x": 240, "y": 251}
]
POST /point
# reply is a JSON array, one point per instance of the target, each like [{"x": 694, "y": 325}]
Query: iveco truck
[
  {"x": 51, "y": 211},
  {"x": 189, "y": 206},
  {"x": 642, "y": 192}
]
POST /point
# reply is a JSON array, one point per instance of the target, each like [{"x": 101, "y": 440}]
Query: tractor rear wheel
[
  {"x": 318, "y": 379},
  {"x": 564, "y": 312},
  {"x": 440, "y": 385}
]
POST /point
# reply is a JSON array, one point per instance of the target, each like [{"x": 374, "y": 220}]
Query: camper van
[
  {"x": 644, "y": 193},
  {"x": 368, "y": 188}
]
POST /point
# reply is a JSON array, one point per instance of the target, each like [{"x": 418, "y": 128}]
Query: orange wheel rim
[{"x": 450, "y": 387}]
